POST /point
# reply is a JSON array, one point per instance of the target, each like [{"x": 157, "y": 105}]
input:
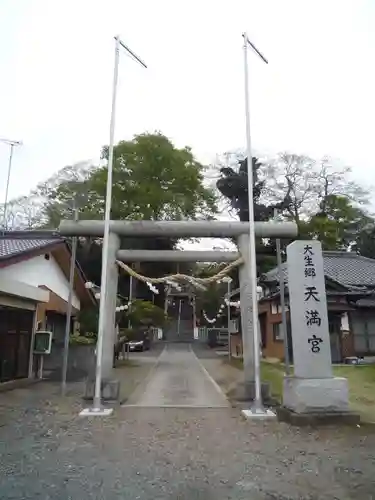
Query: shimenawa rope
[{"x": 181, "y": 277}]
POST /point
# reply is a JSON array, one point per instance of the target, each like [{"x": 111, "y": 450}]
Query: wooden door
[
  {"x": 334, "y": 323},
  {"x": 15, "y": 337}
]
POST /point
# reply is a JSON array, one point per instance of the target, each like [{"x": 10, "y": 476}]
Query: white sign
[
  {"x": 308, "y": 310},
  {"x": 42, "y": 342}
]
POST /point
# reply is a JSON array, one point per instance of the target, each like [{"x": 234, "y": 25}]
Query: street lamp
[
  {"x": 11, "y": 144},
  {"x": 97, "y": 407},
  {"x": 258, "y": 409}
]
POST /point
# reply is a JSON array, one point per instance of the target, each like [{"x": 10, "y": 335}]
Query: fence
[{"x": 213, "y": 336}]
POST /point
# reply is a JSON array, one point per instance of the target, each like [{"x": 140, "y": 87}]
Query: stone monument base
[
  {"x": 245, "y": 392},
  {"x": 314, "y": 419},
  {"x": 316, "y": 401},
  {"x": 110, "y": 389}
]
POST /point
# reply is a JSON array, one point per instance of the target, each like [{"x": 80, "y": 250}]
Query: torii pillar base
[
  {"x": 110, "y": 390},
  {"x": 245, "y": 392}
]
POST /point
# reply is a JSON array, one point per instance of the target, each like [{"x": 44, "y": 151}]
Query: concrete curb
[
  {"x": 20, "y": 383},
  {"x": 215, "y": 384}
]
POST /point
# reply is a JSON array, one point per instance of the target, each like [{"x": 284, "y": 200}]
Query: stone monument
[{"x": 313, "y": 394}]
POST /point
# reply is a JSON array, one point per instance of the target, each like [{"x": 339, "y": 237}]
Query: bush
[
  {"x": 81, "y": 340},
  {"x": 126, "y": 334},
  {"x": 88, "y": 321},
  {"x": 145, "y": 313}
]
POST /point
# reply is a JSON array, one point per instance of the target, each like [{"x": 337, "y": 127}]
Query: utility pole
[
  {"x": 69, "y": 307},
  {"x": 258, "y": 409}
]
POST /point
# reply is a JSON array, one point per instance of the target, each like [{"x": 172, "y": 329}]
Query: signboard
[
  {"x": 308, "y": 310},
  {"x": 42, "y": 342}
]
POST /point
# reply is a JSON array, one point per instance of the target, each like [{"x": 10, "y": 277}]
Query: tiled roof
[
  {"x": 346, "y": 268},
  {"x": 12, "y": 247}
]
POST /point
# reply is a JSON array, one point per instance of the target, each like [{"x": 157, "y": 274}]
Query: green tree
[
  {"x": 88, "y": 320},
  {"x": 365, "y": 240},
  {"x": 152, "y": 180},
  {"x": 212, "y": 298},
  {"x": 337, "y": 225},
  {"x": 209, "y": 301},
  {"x": 144, "y": 312},
  {"x": 160, "y": 181},
  {"x": 233, "y": 185}
]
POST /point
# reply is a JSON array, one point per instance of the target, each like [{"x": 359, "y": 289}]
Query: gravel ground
[{"x": 49, "y": 452}]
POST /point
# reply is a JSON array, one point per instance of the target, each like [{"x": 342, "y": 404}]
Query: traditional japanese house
[
  {"x": 350, "y": 287},
  {"x": 34, "y": 289}
]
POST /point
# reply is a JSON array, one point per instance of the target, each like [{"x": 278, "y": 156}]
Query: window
[
  {"x": 279, "y": 309},
  {"x": 278, "y": 333},
  {"x": 233, "y": 327}
]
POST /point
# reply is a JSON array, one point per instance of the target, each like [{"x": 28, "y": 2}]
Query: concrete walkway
[{"x": 178, "y": 380}]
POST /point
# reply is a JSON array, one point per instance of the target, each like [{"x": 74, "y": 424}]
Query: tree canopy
[
  {"x": 337, "y": 223},
  {"x": 233, "y": 185},
  {"x": 152, "y": 179},
  {"x": 318, "y": 195}
]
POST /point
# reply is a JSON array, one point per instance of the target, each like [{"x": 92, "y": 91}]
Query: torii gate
[{"x": 180, "y": 229}]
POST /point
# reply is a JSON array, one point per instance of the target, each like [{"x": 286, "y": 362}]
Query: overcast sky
[{"x": 56, "y": 62}]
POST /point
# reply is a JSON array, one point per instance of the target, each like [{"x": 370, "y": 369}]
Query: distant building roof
[
  {"x": 345, "y": 268},
  {"x": 10, "y": 247}
]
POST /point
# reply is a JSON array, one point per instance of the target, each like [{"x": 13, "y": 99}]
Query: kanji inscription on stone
[{"x": 308, "y": 310}]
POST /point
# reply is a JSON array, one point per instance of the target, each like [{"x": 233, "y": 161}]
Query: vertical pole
[
  {"x": 32, "y": 340},
  {"x": 167, "y": 292},
  {"x": 5, "y": 223},
  {"x": 282, "y": 303},
  {"x": 194, "y": 316},
  {"x": 258, "y": 405},
  {"x": 69, "y": 308},
  {"x": 129, "y": 309},
  {"x": 130, "y": 298},
  {"x": 107, "y": 217},
  {"x": 179, "y": 317},
  {"x": 228, "y": 313},
  {"x": 41, "y": 361}
]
